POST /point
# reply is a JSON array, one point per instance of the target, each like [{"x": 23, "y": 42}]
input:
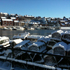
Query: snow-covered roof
[
  {"x": 4, "y": 13},
  {"x": 48, "y": 18},
  {"x": 55, "y": 37},
  {"x": 66, "y": 22},
  {"x": 22, "y": 35},
  {"x": 67, "y": 33},
  {"x": 13, "y": 17},
  {"x": 47, "y": 36},
  {"x": 21, "y": 44},
  {"x": 62, "y": 20},
  {"x": 28, "y": 16},
  {"x": 62, "y": 23},
  {"x": 17, "y": 41},
  {"x": 16, "y": 21},
  {"x": 58, "y": 31},
  {"x": 4, "y": 38},
  {"x": 35, "y": 36},
  {"x": 17, "y": 16},
  {"x": 3, "y": 17},
  {"x": 5, "y": 44},
  {"x": 50, "y": 36},
  {"x": 53, "y": 21},
  {"x": 22, "y": 22},
  {"x": 34, "y": 23},
  {"x": 44, "y": 39},
  {"x": 68, "y": 18},
  {"x": 60, "y": 44},
  {"x": 7, "y": 20},
  {"x": 12, "y": 14},
  {"x": 38, "y": 44}
]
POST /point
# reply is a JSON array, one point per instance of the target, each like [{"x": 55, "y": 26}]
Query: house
[
  {"x": 27, "y": 16},
  {"x": 27, "y": 22},
  {"x": 16, "y": 22},
  {"x": 34, "y": 23},
  {"x": 3, "y": 14},
  {"x": 3, "y": 17},
  {"x": 12, "y": 15},
  {"x": 21, "y": 23},
  {"x": 14, "y": 18},
  {"x": 64, "y": 23},
  {"x": 43, "y": 21},
  {"x": 64, "y": 18},
  {"x": 54, "y": 23},
  {"x": 7, "y": 22},
  {"x": 69, "y": 21}
]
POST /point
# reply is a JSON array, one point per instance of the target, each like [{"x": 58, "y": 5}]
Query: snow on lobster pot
[
  {"x": 60, "y": 48},
  {"x": 57, "y": 35},
  {"x": 44, "y": 39},
  {"x": 37, "y": 47}
]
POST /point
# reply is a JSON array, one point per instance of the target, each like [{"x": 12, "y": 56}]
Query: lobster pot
[
  {"x": 34, "y": 38},
  {"x": 60, "y": 48},
  {"x": 66, "y": 37},
  {"x": 68, "y": 53},
  {"x": 34, "y": 48},
  {"x": 57, "y": 35},
  {"x": 68, "y": 50},
  {"x": 51, "y": 43},
  {"x": 37, "y": 47},
  {"x": 15, "y": 42},
  {"x": 44, "y": 39}
]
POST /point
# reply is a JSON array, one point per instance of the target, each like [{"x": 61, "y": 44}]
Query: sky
[{"x": 43, "y": 8}]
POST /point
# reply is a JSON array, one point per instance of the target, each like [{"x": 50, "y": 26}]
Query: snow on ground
[{"x": 65, "y": 28}]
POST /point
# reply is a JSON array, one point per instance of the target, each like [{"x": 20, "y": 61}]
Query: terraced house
[{"x": 7, "y": 22}]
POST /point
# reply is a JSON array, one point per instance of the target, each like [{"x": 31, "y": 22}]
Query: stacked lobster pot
[
  {"x": 66, "y": 37},
  {"x": 55, "y": 38},
  {"x": 57, "y": 35},
  {"x": 68, "y": 50},
  {"x": 60, "y": 48}
]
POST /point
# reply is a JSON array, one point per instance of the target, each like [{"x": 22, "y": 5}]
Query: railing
[{"x": 32, "y": 61}]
